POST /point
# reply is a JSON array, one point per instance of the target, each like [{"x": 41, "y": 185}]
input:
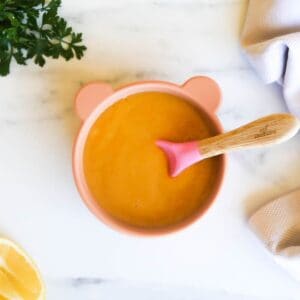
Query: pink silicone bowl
[{"x": 94, "y": 98}]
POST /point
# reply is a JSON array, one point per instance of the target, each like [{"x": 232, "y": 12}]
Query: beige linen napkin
[
  {"x": 271, "y": 40},
  {"x": 277, "y": 224}
]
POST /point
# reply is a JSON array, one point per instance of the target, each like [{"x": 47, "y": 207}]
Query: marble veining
[
  {"x": 80, "y": 258},
  {"x": 81, "y": 281}
]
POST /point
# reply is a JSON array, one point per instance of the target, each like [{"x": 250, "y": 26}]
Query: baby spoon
[{"x": 273, "y": 129}]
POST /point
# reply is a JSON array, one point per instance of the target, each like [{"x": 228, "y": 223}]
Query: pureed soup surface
[{"x": 127, "y": 173}]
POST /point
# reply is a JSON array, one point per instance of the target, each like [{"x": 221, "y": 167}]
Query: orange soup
[{"x": 127, "y": 173}]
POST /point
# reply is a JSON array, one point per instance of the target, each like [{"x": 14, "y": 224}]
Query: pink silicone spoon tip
[{"x": 180, "y": 155}]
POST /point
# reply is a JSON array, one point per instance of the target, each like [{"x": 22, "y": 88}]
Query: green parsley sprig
[{"x": 32, "y": 29}]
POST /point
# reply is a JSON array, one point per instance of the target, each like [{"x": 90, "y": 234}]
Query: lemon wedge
[{"x": 19, "y": 277}]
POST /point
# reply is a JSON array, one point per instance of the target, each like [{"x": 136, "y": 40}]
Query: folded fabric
[
  {"x": 277, "y": 224},
  {"x": 271, "y": 40}
]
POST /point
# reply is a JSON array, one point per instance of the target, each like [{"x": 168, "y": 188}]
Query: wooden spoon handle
[{"x": 272, "y": 129}]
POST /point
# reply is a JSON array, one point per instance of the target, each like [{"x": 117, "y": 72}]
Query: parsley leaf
[{"x": 32, "y": 29}]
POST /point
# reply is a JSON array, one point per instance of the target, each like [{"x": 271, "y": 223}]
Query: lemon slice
[{"x": 19, "y": 277}]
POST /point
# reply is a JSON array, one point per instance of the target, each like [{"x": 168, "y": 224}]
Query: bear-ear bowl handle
[
  {"x": 204, "y": 90},
  {"x": 89, "y": 96}
]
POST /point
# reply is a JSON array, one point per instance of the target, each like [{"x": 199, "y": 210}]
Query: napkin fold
[
  {"x": 277, "y": 224},
  {"x": 271, "y": 41}
]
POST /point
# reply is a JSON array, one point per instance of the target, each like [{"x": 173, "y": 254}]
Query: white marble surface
[{"x": 217, "y": 258}]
